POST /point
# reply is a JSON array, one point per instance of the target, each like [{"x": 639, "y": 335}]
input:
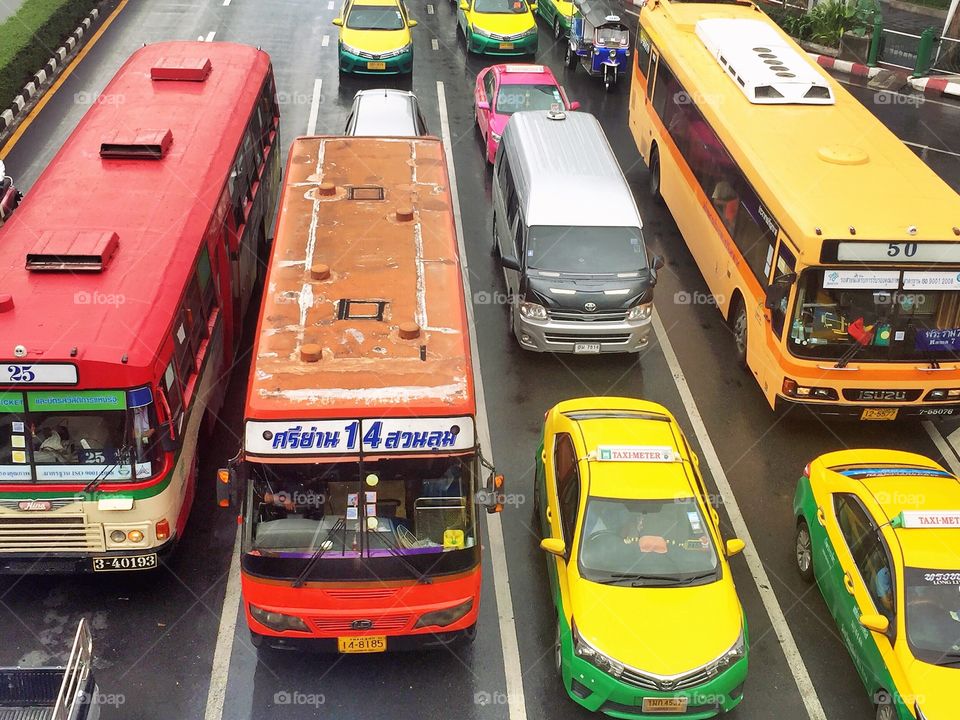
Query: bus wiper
[
  {"x": 394, "y": 550},
  {"x": 318, "y": 553},
  {"x": 105, "y": 473}
]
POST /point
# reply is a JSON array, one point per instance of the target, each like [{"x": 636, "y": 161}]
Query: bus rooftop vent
[
  {"x": 137, "y": 144},
  {"x": 181, "y": 68},
  {"x": 766, "y": 68},
  {"x": 72, "y": 251}
]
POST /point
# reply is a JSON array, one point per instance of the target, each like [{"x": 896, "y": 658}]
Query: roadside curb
[
  {"x": 937, "y": 86},
  {"x": 845, "y": 66},
  {"x": 11, "y": 117}
]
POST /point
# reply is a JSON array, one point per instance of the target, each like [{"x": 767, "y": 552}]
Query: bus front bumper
[
  {"x": 75, "y": 563},
  {"x": 480, "y": 44},
  {"x": 926, "y": 411},
  {"x": 401, "y": 64},
  {"x": 395, "y": 643}
]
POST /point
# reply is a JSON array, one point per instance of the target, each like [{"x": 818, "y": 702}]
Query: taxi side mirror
[
  {"x": 735, "y": 546},
  {"x": 483, "y": 105},
  {"x": 554, "y": 546},
  {"x": 226, "y": 487},
  {"x": 875, "y": 622},
  {"x": 412, "y": 23},
  {"x": 338, "y": 22},
  {"x": 533, "y": 7},
  {"x": 574, "y": 104},
  {"x": 464, "y": 5}
]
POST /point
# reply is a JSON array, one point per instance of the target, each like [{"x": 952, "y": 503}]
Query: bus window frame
[{"x": 784, "y": 263}]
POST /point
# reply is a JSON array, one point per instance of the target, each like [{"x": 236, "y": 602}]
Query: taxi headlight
[
  {"x": 640, "y": 312},
  {"x": 398, "y": 51},
  {"x": 735, "y": 653},
  {"x": 277, "y": 621},
  {"x": 588, "y": 652},
  {"x": 533, "y": 311},
  {"x": 919, "y": 712},
  {"x": 528, "y": 33},
  {"x": 349, "y": 49},
  {"x": 481, "y": 31}
]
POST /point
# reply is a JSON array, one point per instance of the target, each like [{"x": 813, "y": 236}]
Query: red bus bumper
[{"x": 392, "y": 610}]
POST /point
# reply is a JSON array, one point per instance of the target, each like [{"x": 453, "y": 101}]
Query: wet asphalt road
[{"x": 155, "y": 634}]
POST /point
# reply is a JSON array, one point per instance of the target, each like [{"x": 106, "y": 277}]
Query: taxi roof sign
[
  {"x": 635, "y": 453},
  {"x": 523, "y": 68},
  {"x": 913, "y": 519}
]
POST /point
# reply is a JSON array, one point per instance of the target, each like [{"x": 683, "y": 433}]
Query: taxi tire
[
  {"x": 558, "y": 653},
  {"x": 885, "y": 709},
  {"x": 557, "y": 30},
  {"x": 803, "y": 529}
]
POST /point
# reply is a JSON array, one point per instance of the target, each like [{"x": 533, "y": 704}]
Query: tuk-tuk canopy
[{"x": 599, "y": 13}]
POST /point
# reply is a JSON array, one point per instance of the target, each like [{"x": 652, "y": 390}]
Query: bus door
[{"x": 781, "y": 279}]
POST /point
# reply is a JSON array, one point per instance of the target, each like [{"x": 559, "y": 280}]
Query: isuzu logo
[
  {"x": 883, "y": 395},
  {"x": 361, "y": 624},
  {"x": 34, "y": 505},
  {"x": 590, "y": 306}
]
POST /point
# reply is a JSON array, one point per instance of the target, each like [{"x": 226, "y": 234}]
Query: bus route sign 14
[{"x": 344, "y": 437}]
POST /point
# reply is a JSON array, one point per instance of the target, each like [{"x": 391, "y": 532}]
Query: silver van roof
[{"x": 566, "y": 172}]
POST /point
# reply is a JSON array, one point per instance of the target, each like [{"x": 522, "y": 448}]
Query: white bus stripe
[{"x": 516, "y": 704}]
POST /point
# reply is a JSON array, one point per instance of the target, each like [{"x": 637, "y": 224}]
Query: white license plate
[
  {"x": 586, "y": 347},
  {"x": 128, "y": 562},
  {"x": 664, "y": 705}
]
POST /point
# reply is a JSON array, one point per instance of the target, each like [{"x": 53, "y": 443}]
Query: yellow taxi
[
  {"x": 375, "y": 37},
  {"x": 648, "y": 619},
  {"x": 498, "y": 27},
  {"x": 879, "y": 532}
]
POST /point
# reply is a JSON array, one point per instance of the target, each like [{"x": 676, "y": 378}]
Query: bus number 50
[{"x": 908, "y": 249}]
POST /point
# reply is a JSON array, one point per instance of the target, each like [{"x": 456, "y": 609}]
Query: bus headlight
[
  {"x": 793, "y": 389},
  {"x": 277, "y": 621},
  {"x": 118, "y": 536},
  {"x": 640, "y": 312},
  {"x": 943, "y": 394},
  {"x": 533, "y": 311},
  {"x": 442, "y": 618}
]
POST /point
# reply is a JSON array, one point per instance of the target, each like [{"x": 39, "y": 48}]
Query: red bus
[
  {"x": 361, "y": 474},
  {"x": 125, "y": 275}
]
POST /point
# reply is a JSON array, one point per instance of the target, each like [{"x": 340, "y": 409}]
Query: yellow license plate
[
  {"x": 376, "y": 66},
  {"x": 365, "y": 644},
  {"x": 506, "y": 46},
  {"x": 664, "y": 705},
  {"x": 879, "y": 414}
]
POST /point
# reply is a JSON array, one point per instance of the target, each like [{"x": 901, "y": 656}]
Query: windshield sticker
[
  {"x": 930, "y": 519},
  {"x": 948, "y": 339},
  {"x": 942, "y": 280},
  {"x": 635, "y": 453},
  {"x": 12, "y": 472},
  {"x": 862, "y": 279},
  {"x": 866, "y": 473},
  {"x": 11, "y": 402},
  {"x": 76, "y": 400}
]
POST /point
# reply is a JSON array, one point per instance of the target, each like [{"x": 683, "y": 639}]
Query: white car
[{"x": 385, "y": 113}]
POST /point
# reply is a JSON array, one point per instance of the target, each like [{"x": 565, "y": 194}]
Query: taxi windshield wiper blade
[{"x": 947, "y": 659}]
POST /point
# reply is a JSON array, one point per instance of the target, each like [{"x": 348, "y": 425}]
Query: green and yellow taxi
[
  {"x": 375, "y": 37},
  {"x": 879, "y": 532},
  {"x": 648, "y": 619},
  {"x": 498, "y": 27},
  {"x": 558, "y": 14}
]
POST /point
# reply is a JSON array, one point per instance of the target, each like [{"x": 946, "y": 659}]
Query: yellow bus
[{"x": 831, "y": 249}]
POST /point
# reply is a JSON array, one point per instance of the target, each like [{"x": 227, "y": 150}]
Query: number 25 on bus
[{"x": 831, "y": 249}]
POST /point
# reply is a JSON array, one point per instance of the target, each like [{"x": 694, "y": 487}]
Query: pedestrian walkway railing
[
  {"x": 946, "y": 57},
  {"x": 898, "y": 49}
]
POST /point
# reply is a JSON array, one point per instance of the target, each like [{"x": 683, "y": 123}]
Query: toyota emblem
[
  {"x": 590, "y": 306},
  {"x": 666, "y": 684},
  {"x": 361, "y": 624}
]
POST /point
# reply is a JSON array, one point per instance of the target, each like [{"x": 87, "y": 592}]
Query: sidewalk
[{"x": 914, "y": 19}]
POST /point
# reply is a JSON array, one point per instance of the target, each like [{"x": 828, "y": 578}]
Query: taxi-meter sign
[
  {"x": 914, "y": 519},
  {"x": 635, "y": 453}
]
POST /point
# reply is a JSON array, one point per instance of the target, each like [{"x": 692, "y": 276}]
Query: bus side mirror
[
  {"x": 169, "y": 437},
  {"x": 778, "y": 289},
  {"x": 493, "y": 497},
  {"x": 510, "y": 262},
  {"x": 226, "y": 487}
]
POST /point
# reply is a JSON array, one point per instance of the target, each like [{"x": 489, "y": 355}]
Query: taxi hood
[
  {"x": 933, "y": 689},
  {"x": 659, "y": 630}
]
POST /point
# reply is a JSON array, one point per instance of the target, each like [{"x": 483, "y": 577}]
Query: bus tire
[
  {"x": 738, "y": 324},
  {"x": 804, "y": 551},
  {"x": 495, "y": 247},
  {"x": 654, "y": 167}
]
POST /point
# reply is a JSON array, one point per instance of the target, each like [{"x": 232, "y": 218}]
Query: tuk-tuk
[{"x": 599, "y": 40}]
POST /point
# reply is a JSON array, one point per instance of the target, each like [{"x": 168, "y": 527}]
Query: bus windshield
[
  {"x": 646, "y": 542},
  {"x": 870, "y": 313},
  {"x": 403, "y": 506},
  {"x": 586, "y": 250},
  {"x": 933, "y": 614},
  {"x": 78, "y": 436}
]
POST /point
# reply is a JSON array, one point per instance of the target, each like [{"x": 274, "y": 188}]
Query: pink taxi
[{"x": 505, "y": 89}]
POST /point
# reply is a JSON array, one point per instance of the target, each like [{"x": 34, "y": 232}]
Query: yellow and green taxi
[
  {"x": 498, "y": 27},
  {"x": 648, "y": 619},
  {"x": 375, "y": 37},
  {"x": 879, "y": 531},
  {"x": 558, "y": 13}
]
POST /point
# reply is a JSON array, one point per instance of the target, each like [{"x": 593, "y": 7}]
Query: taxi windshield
[
  {"x": 514, "y": 98},
  {"x": 933, "y": 614},
  {"x": 500, "y": 6},
  {"x": 375, "y": 17},
  {"x": 646, "y": 543}
]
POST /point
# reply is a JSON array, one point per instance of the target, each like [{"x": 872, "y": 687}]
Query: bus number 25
[
  {"x": 21, "y": 373},
  {"x": 908, "y": 249}
]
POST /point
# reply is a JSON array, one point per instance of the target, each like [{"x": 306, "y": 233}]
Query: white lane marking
[
  {"x": 226, "y": 3},
  {"x": 200, "y": 38},
  {"x": 516, "y": 704},
  {"x": 435, "y": 44},
  {"x": 325, "y": 41},
  {"x": 330, "y": 5},
  {"x": 429, "y": 9},
  {"x": 631, "y": 12},
  {"x": 944, "y": 445},
  {"x": 954, "y": 439},
  {"x": 800, "y": 675},
  {"x": 225, "y": 636},
  {"x": 314, "y": 107},
  {"x": 210, "y": 35}
]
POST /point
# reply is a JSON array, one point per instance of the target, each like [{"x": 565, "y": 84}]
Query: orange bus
[
  {"x": 124, "y": 279},
  {"x": 360, "y": 472},
  {"x": 831, "y": 249}
]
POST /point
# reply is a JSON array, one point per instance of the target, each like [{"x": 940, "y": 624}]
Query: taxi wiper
[
  {"x": 318, "y": 553},
  {"x": 949, "y": 659}
]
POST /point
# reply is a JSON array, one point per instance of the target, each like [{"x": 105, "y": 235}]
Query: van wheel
[
  {"x": 739, "y": 326},
  {"x": 655, "y": 175}
]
